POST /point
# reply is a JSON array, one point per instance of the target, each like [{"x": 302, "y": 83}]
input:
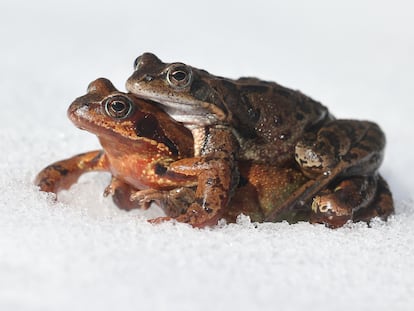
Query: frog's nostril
[{"x": 148, "y": 78}]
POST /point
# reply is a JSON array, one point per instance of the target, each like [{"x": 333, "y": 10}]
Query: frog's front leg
[
  {"x": 201, "y": 208},
  {"x": 213, "y": 192},
  {"x": 121, "y": 193},
  {"x": 63, "y": 174},
  {"x": 346, "y": 150},
  {"x": 217, "y": 176},
  {"x": 173, "y": 202}
]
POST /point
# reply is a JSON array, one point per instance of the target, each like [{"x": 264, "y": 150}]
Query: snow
[{"x": 83, "y": 253}]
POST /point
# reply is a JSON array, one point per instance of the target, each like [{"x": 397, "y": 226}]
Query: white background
[{"x": 357, "y": 57}]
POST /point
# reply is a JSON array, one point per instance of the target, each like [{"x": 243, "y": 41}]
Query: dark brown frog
[{"x": 264, "y": 122}]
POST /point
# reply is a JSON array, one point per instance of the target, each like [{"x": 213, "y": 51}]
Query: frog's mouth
[
  {"x": 189, "y": 112},
  {"x": 79, "y": 114},
  {"x": 186, "y": 114}
]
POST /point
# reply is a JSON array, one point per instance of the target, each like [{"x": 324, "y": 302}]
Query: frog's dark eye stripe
[
  {"x": 179, "y": 75},
  {"x": 148, "y": 126},
  {"x": 118, "y": 107}
]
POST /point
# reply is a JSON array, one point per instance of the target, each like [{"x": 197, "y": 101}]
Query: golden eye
[
  {"x": 118, "y": 107},
  {"x": 179, "y": 75}
]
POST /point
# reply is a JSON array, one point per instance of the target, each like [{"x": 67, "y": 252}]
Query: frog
[
  {"x": 139, "y": 142},
  {"x": 248, "y": 119}
]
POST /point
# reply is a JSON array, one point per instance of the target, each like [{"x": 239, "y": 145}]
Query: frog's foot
[
  {"x": 335, "y": 207},
  {"x": 109, "y": 190},
  {"x": 174, "y": 202},
  {"x": 143, "y": 198},
  {"x": 160, "y": 220},
  {"x": 216, "y": 172},
  {"x": 201, "y": 213},
  {"x": 120, "y": 193},
  {"x": 199, "y": 217},
  {"x": 216, "y": 178},
  {"x": 182, "y": 209},
  {"x": 382, "y": 206},
  {"x": 195, "y": 220}
]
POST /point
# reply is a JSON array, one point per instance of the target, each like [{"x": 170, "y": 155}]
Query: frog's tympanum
[
  {"x": 263, "y": 123},
  {"x": 140, "y": 143}
]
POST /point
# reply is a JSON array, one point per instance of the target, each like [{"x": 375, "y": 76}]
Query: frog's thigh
[
  {"x": 355, "y": 146},
  {"x": 336, "y": 205},
  {"x": 381, "y": 206}
]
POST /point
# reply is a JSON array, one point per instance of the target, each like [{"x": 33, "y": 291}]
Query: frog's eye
[
  {"x": 118, "y": 107},
  {"x": 179, "y": 75}
]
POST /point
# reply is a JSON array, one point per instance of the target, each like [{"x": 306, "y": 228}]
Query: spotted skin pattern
[{"x": 272, "y": 125}]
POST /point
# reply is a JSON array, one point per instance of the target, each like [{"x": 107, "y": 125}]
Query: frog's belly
[{"x": 265, "y": 190}]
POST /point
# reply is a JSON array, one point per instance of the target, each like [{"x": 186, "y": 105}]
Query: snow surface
[{"x": 354, "y": 56}]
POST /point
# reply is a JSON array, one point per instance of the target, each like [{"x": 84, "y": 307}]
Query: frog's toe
[
  {"x": 334, "y": 207},
  {"x": 109, "y": 190},
  {"x": 160, "y": 220},
  {"x": 147, "y": 195},
  {"x": 382, "y": 205},
  {"x": 326, "y": 209}
]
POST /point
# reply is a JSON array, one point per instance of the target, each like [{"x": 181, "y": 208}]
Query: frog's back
[{"x": 274, "y": 117}]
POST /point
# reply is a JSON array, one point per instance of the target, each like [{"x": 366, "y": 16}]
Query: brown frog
[
  {"x": 264, "y": 122},
  {"x": 140, "y": 142}
]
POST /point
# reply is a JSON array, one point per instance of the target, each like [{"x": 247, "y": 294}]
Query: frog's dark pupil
[
  {"x": 118, "y": 106},
  {"x": 179, "y": 75}
]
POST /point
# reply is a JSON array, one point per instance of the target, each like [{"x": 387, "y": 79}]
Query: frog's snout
[{"x": 78, "y": 110}]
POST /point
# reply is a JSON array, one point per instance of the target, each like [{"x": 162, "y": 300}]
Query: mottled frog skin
[
  {"x": 137, "y": 141},
  {"x": 140, "y": 142},
  {"x": 265, "y": 123}
]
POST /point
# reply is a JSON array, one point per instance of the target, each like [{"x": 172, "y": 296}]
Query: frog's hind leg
[
  {"x": 341, "y": 159},
  {"x": 381, "y": 206},
  {"x": 336, "y": 205},
  {"x": 346, "y": 147},
  {"x": 354, "y": 198}
]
